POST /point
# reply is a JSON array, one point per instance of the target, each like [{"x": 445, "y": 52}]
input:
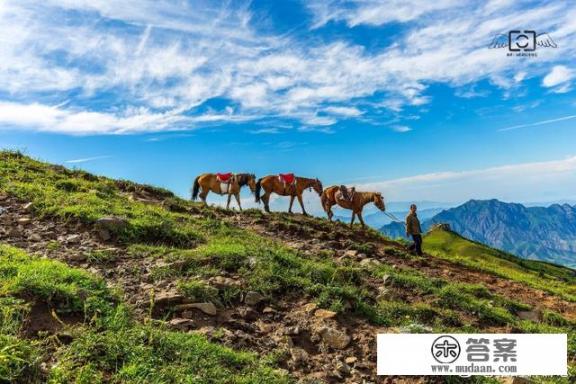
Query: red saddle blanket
[
  {"x": 287, "y": 178},
  {"x": 224, "y": 177}
]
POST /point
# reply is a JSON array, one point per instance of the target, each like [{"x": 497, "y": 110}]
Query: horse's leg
[
  {"x": 228, "y": 202},
  {"x": 353, "y": 217},
  {"x": 361, "y": 220},
  {"x": 203, "y": 195},
  {"x": 302, "y": 204},
  {"x": 237, "y": 196},
  {"x": 291, "y": 202},
  {"x": 328, "y": 209},
  {"x": 266, "y": 199}
]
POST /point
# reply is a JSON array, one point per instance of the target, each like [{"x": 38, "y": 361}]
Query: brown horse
[
  {"x": 209, "y": 182},
  {"x": 332, "y": 196},
  {"x": 272, "y": 184}
]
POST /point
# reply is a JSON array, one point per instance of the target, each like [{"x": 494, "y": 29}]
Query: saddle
[
  {"x": 346, "y": 193},
  {"x": 224, "y": 177},
  {"x": 288, "y": 180}
]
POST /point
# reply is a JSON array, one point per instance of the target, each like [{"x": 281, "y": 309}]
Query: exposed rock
[
  {"x": 253, "y": 298},
  {"x": 107, "y": 226},
  {"x": 369, "y": 261},
  {"x": 27, "y": 207},
  {"x": 35, "y": 237},
  {"x": 442, "y": 226},
  {"x": 168, "y": 298},
  {"x": 310, "y": 307},
  {"x": 324, "y": 314},
  {"x": 350, "y": 359},
  {"x": 350, "y": 253},
  {"x": 299, "y": 356},
  {"x": 533, "y": 315},
  {"x": 207, "y": 308},
  {"x": 181, "y": 324},
  {"x": 334, "y": 338},
  {"x": 24, "y": 220}
]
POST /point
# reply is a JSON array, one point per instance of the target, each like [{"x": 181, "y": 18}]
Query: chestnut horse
[
  {"x": 209, "y": 182},
  {"x": 272, "y": 184},
  {"x": 332, "y": 196}
]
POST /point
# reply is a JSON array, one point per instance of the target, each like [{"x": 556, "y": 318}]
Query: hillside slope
[
  {"x": 537, "y": 233},
  {"x": 111, "y": 281}
]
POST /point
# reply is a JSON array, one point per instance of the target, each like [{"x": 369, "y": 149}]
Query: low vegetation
[{"x": 94, "y": 336}]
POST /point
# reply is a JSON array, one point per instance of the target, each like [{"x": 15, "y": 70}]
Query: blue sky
[{"x": 405, "y": 97}]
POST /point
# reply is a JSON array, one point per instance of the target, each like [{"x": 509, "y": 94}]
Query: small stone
[
  {"x": 181, "y": 324},
  {"x": 369, "y": 261},
  {"x": 35, "y": 237},
  {"x": 106, "y": 226},
  {"x": 207, "y": 308},
  {"x": 342, "y": 368},
  {"x": 324, "y": 314},
  {"x": 299, "y": 355},
  {"x": 335, "y": 338},
  {"x": 24, "y": 220},
  {"x": 73, "y": 238},
  {"x": 310, "y": 307},
  {"x": 533, "y": 315},
  {"x": 76, "y": 257},
  {"x": 350, "y": 359},
  {"x": 27, "y": 206},
  {"x": 167, "y": 298},
  {"x": 268, "y": 310},
  {"x": 253, "y": 298},
  {"x": 351, "y": 253}
]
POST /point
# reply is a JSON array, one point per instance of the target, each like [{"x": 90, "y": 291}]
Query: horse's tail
[
  {"x": 195, "y": 188},
  {"x": 258, "y": 189}
]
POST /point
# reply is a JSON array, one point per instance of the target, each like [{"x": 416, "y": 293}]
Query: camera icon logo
[{"x": 522, "y": 41}]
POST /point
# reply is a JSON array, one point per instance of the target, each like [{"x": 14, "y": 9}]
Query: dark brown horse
[
  {"x": 209, "y": 182},
  {"x": 273, "y": 184},
  {"x": 332, "y": 196}
]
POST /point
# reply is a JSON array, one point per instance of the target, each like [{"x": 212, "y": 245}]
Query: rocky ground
[{"x": 319, "y": 345}]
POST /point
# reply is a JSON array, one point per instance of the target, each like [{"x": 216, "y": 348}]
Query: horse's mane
[{"x": 244, "y": 177}]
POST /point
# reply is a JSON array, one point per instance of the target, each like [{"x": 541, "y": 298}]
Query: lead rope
[{"x": 394, "y": 218}]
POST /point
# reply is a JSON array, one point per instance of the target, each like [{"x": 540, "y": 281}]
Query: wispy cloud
[
  {"x": 538, "y": 123},
  {"x": 163, "y": 61},
  {"x": 526, "y": 181},
  {"x": 558, "y": 79},
  {"x": 86, "y": 159}
]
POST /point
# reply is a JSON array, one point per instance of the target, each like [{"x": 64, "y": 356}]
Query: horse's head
[
  {"x": 317, "y": 185},
  {"x": 251, "y": 181},
  {"x": 379, "y": 201}
]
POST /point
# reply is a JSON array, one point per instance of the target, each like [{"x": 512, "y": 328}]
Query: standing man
[{"x": 413, "y": 229}]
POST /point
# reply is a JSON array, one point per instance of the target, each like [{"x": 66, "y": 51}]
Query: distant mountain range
[
  {"x": 538, "y": 233},
  {"x": 376, "y": 219}
]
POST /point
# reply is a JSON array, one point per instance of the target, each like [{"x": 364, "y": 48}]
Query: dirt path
[
  {"x": 428, "y": 265},
  {"x": 291, "y": 324}
]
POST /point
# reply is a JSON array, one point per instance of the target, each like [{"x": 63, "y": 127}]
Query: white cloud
[
  {"x": 559, "y": 75},
  {"x": 538, "y": 181},
  {"x": 166, "y": 59},
  {"x": 343, "y": 111},
  {"x": 401, "y": 128},
  {"x": 86, "y": 159}
]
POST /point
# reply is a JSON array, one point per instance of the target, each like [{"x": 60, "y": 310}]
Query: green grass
[
  {"x": 107, "y": 346},
  {"x": 548, "y": 277},
  {"x": 196, "y": 244}
]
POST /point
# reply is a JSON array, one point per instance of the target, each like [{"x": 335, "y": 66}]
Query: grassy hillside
[
  {"x": 549, "y": 277},
  {"x": 175, "y": 292}
]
